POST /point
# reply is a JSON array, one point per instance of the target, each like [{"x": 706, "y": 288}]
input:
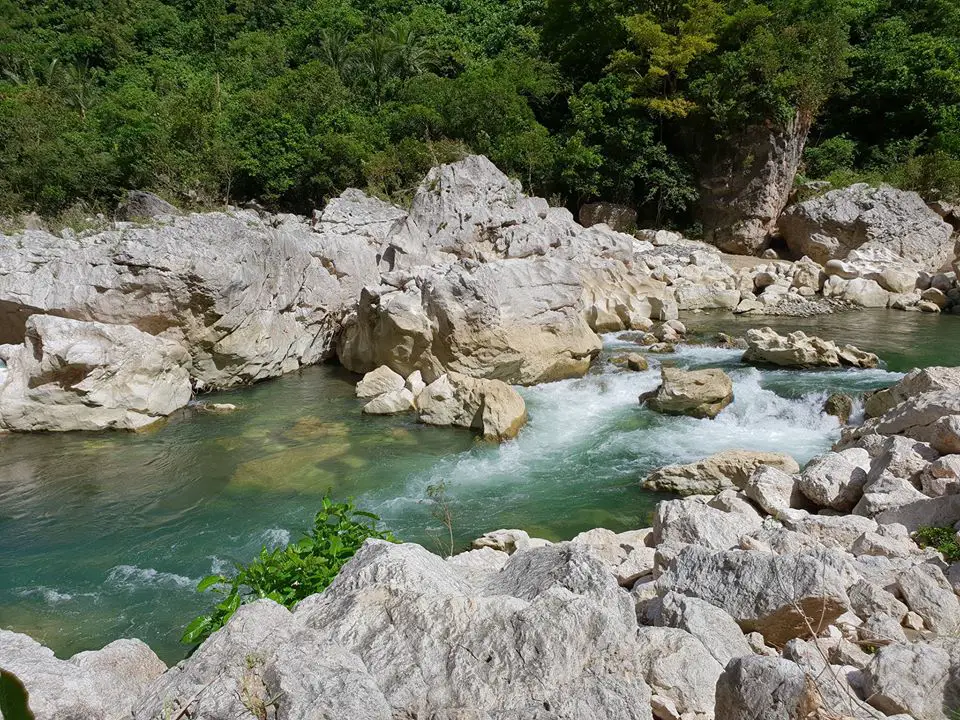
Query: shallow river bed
[{"x": 105, "y": 536}]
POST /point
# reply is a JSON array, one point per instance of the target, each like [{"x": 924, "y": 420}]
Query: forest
[{"x": 289, "y": 102}]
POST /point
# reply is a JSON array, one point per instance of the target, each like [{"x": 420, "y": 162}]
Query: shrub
[
  {"x": 833, "y": 155},
  {"x": 288, "y": 575},
  {"x": 943, "y": 539}
]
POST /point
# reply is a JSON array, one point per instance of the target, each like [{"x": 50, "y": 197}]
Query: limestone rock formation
[
  {"x": 73, "y": 375},
  {"x": 247, "y": 299},
  {"x": 745, "y": 191},
  {"x": 491, "y": 407},
  {"x": 698, "y": 393},
  {"x": 105, "y": 683},
  {"x": 401, "y": 632},
  {"x": 766, "y": 347},
  {"x": 727, "y": 469},
  {"x": 861, "y": 217},
  {"x": 140, "y": 205}
]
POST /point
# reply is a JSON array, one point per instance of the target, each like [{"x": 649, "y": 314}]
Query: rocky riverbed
[{"x": 786, "y": 582}]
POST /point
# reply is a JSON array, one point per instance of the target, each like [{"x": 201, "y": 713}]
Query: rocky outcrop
[
  {"x": 402, "y": 632},
  {"x": 246, "y": 299},
  {"x": 798, "y": 350},
  {"x": 744, "y": 192},
  {"x": 864, "y": 218},
  {"x": 697, "y": 393},
  {"x": 106, "y": 683},
  {"x": 517, "y": 321},
  {"x": 73, "y": 375},
  {"x": 709, "y": 476}
]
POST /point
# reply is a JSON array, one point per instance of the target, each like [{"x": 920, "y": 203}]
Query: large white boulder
[
  {"x": 73, "y": 375},
  {"x": 862, "y": 217}
]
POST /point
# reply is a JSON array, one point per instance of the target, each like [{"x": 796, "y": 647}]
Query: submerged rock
[{"x": 698, "y": 393}]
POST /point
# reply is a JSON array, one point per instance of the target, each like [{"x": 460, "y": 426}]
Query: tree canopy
[{"x": 290, "y": 102}]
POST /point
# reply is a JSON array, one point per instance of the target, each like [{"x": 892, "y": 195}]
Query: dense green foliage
[
  {"x": 943, "y": 539},
  {"x": 287, "y": 575},
  {"x": 291, "y": 101}
]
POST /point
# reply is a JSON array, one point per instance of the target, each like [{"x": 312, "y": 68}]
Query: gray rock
[
  {"x": 390, "y": 403},
  {"x": 836, "y": 480},
  {"x": 491, "y": 407},
  {"x": 781, "y": 597},
  {"x": 618, "y": 217},
  {"x": 839, "y": 532},
  {"x": 766, "y": 347},
  {"x": 72, "y": 375},
  {"x": 862, "y": 218},
  {"x": 514, "y": 320},
  {"x": 379, "y": 381},
  {"x": 104, "y": 683},
  {"x": 774, "y": 491},
  {"x": 745, "y": 190},
  {"x": 832, "y": 684},
  {"x": 247, "y": 299},
  {"x": 916, "y": 679},
  {"x": 727, "y": 469},
  {"x": 718, "y": 632},
  {"x": 913, "y": 383},
  {"x": 679, "y": 667},
  {"x": 698, "y": 393},
  {"x": 763, "y": 687},
  {"x": 403, "y": 633},
  {"x": 928, "y": 593},
  {"x": 679, "y": 521},
  {"x": 141, "y": 205}
]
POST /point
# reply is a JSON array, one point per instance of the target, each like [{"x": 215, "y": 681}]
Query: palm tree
[{"x": 336, "y": 51}]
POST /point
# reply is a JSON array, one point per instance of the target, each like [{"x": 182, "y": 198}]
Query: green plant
[
  {"x": 441, "y": 511},
  {"x": 289, "y": 574},
  {"x": 943, "y": 539}
]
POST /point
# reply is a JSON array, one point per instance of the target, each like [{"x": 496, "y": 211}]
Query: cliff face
[{"x": 744, "y": 189}]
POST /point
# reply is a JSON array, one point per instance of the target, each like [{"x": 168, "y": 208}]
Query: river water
[{"x": 105, "y": 535}]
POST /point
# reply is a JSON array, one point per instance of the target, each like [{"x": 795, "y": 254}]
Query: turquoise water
[{"x": 105, "y": 536}]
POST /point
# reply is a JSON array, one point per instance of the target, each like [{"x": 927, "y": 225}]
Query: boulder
[
  {"x": 840, "y": 406},
  {"x": 518, "y": 321},
  {"x": 697, "y": 393},
  {"x": 836, "y": 480},
  {"x": 379, "y": 381},
  {"x": 917, "y": 679},
  {"x": 72, "y": 375},
  {"x": 727, "y": 469},
  {"x": 771, "y": 688},
  {"x": 745, "y": 189},
  {"x": 403, "y": 633},
  {"x": 860, "y": 217},
  {"x": 679, "y": 667},
  {"x": 928, "y": 593},
  {"x": 780, "y": 596},
  {"x": 141, "y": 205},
  {"x": 766, "y": 347},
  {"x": 718, "y": 632},
  {"x": 618, "y": 217},
  {"x": 105, "y": 683},
  {"x": 914, "y": 383},
  {"x": 680, "y": 521},
  {"x": 491, "y": 407},
  {"x": 774, "y": 491},
  {"x": 390, "y": 403}
]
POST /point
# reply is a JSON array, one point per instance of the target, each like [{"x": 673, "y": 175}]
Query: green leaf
[{"x": 209, "y": 581}]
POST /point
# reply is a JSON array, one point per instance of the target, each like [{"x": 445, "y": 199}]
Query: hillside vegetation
[{"x": 291, "y": 101}]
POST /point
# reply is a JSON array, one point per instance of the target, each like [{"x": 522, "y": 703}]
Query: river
[{"x": 106, "y": 535}]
